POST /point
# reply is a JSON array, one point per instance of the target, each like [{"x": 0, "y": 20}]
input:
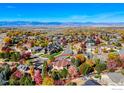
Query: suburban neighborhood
[{"x": 69, "y": 56}]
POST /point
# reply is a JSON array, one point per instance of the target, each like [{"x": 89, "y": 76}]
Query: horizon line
[{"x": 56, "y": 21}]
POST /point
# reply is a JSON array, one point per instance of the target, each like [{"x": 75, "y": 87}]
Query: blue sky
[{"x": 62, "y": 12}]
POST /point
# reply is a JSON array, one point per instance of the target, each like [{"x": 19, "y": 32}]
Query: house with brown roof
[{"x": 60, "y": 64}]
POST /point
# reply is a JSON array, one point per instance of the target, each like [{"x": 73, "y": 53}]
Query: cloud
[
  {"x": 10, "y": 7},
  {"x": 110, "y": 17},
  {"x": 103, "y": 17}
]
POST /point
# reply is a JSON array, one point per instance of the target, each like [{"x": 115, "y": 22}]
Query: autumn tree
[
  {"x": 38, "y": 78},
  {"x": 7, "y": 40},
  {"x": 48, "y": 81}
]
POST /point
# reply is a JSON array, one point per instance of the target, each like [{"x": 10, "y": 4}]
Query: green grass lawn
[{"x": 54, "y": 54}]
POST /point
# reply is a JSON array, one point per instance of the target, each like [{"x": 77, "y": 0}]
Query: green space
[{"x": 48, "y": 55}]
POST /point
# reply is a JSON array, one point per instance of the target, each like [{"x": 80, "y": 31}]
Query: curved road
[{"x": 67, "y": 51}]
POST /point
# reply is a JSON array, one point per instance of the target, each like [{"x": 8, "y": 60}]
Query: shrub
[
  {"x": 48, "y": 81},
  {"x": 96, "y": 50},
  {"x": 56, "y": 75},
  {"x": 100, "y": 67},
  {"x": 26, "y": 80},
  {"x": 13, "y": 80},
  {"x": 97, "y": 60},
  {"x": 84, "y": 68},
  {"x": 104, "y": 50},
  {"x": 51, "y": 58},
  {"x": 73, "y": 60},
  {"x": 15, "y": 56},
  {"x": 64, "y": 73},
  {"x": 122, "y": 71},
  {"x": 98, "y": 76}
]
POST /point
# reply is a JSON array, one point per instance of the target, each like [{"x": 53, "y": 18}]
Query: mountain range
[{"x": 44, "y": 24}]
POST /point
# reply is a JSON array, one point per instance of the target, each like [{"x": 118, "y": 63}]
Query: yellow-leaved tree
[{"x": 7, "y": 40}]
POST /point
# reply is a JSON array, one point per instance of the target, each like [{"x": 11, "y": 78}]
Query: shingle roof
[
  {"x": 91, "y": 82},
  {"x": 61, "y": 63}
]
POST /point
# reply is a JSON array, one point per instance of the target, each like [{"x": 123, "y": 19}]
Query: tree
[
  {"x": 17, "y": 74},
  {"x": 6, "y": 55},
  {"x": 15, "y": 40},
  {"x": 97, "y": 60},
  {"x": 51, "y": 59},
  {"x": 56, "y": 75},
  {"x": 97, "y": 41},
  {"x": 48, "y": 81},
  {"x": 81, "y": 57},
  {"x": 7, "y": 72},
  {"x": 113, "y": 56},
  {"x": 13, "y": 81},
  {"x": 7, "y": 40},
  {"x": 90, "y": 62},
  {"x": 26, "y": 80},
  {"x": 26, "y": 55},
  {"x": 96, "y": 50},
  {"x": 73, "y": 60},
  {"x": 100, "y": 67},
  {"x": 84, "y": 68},
  {"x": 31, "y": 71},
  {"x": 44, "y": 70},
  {"x": 64, "y": 73},
  {"x": 1, "y": 55},
  {"x": 15, "y": 56},
  {"x": 38, "y": 78},
  {"x": 4, "y": 75},
  {"x": 78, "y": 62}
]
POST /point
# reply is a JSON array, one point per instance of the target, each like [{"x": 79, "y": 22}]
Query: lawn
[{"x": 54, "y": 54}]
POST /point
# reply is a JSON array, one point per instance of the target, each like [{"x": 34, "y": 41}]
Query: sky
[{"x": 64, "y": 12}]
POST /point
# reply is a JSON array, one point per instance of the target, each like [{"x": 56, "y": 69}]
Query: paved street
[
  {"x": 116, "y": 77},
  {"x": 66, "y": 51}
]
